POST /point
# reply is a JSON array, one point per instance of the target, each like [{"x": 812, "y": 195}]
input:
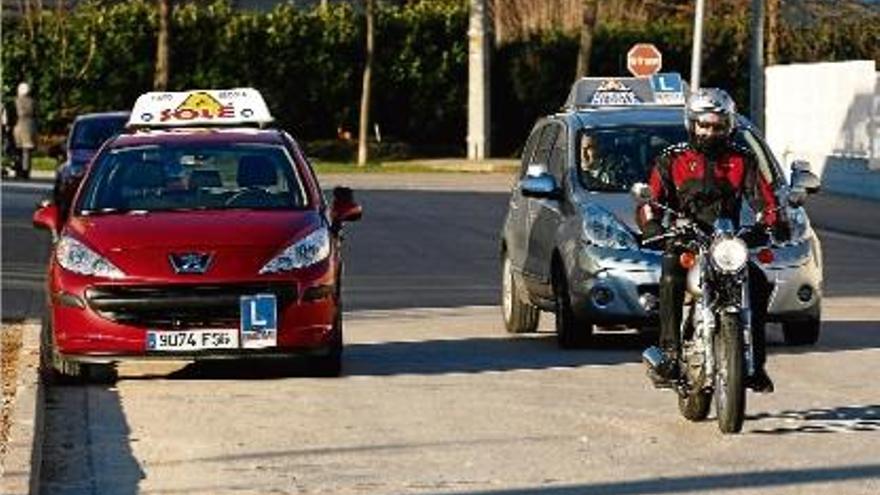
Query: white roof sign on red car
[{"x": 202, "y": 107}]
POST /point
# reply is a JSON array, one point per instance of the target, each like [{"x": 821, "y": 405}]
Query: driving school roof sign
[
  {"x": 596, "y": 92},
  {"x": 240, "y": 106}
]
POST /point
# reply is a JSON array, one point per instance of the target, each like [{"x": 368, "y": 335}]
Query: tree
[
  {"x": 772, "y": 31},
  {"x": 588, "y": 27},
  {"x": 163, "y": 56},
  {"x": 365, "y": 92}
]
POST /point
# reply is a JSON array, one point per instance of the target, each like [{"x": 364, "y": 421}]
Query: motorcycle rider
[{"x": 707, "y": 178}]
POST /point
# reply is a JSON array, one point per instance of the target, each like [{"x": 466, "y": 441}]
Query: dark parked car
[
  {"x": 87, "y": 134},
  {"x": 570, "y": 244}
]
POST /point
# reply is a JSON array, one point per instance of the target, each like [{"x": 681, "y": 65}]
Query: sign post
[{"x": 644, "y": 59}]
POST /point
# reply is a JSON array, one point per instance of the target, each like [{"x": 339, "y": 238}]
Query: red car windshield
[{"x": 171, "y": 178}]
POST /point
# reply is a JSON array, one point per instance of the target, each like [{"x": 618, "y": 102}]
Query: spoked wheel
[
  {"x": 519, "y": 316},
  {"x": 730, "y": 392},
  {"x": 571, "y": 331}
]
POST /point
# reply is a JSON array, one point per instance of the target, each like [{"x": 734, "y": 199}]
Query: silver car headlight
[
  {"x": 605, "y": 230},
  {"x": 305, "y": 252},
  {"x": 74, "y": 256},
  {"x": 799, "y": 224},
  {"x": 729, "y": 254}
]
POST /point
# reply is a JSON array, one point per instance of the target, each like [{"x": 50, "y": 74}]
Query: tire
[
  {"x": 58, "y": 370},
  {"x": 730, "y": 392},
  {"x": 695, "y": 406},
  {"x": 519, "y": 316},
  {"x": 571, "y": 331},
  {"x": 803, "y": 332},
  {"x": 329, "y": 365}
]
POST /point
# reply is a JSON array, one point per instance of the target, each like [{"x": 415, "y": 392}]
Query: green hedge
[{"x": 308, "y": 63}]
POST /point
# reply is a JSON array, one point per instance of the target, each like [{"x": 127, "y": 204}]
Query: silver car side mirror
[
  {"x": 541, "y": 186},
  {"x": 803, "y": 180}
]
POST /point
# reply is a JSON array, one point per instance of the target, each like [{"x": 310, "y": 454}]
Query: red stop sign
[{"x": 644, "y": 59}]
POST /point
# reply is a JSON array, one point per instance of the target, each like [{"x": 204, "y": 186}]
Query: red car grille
[{"x": 179, "y": 306}]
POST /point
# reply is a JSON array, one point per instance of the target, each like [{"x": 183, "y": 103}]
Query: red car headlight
[
  {"x": 305, "y": 252},
  {"x": 76, "y": 257}
]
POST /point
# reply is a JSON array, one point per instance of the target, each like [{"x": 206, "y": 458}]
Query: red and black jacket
[{"x": 706, "y": 188}]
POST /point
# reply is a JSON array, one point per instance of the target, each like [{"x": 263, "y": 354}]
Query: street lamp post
[
  {"x": 478, "y": 82},
  {"x": 696, "y": 54},
  {"x": 756, "y": 86}
]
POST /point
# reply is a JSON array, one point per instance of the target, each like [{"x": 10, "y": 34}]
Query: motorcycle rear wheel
[{"x": 730, "y": 392}]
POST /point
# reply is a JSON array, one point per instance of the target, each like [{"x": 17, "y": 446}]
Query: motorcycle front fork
[
  {"x": 706, "y": 332},
  {"x": 745, "y": 314}
]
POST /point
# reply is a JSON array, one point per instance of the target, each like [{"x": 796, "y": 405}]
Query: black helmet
[{"x": 713, "y": 109}]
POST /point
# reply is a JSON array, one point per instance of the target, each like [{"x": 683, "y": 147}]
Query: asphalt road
[
  {"x": 437, "y": 399},
  {"x": 430, "y": 241},
  {"x": 413, "y": 248}
]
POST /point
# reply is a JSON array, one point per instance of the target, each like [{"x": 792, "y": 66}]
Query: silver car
[{"x": 570, "y": 244}]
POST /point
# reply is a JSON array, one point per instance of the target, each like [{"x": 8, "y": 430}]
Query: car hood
[
  {"x": 239, "y": 242},
  {"x": 621, "y": 205}
]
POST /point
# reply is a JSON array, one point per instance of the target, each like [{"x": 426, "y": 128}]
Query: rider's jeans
[{"x": 672, "y": 287}]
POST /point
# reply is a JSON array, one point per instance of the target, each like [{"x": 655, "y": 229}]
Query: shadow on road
[
  {"x": 498, "y": 354},
  {"x": 844, "y": 419},
  {"x": 835, "y": 336},
  {"x": 482, "y": 354},
  {"x": 87, "y": 447},
  {"x": 707, "y": 483}
]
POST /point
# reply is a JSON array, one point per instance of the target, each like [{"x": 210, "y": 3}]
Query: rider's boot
[{"x": 760, "y": 382}]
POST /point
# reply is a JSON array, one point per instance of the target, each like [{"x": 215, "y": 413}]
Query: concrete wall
[{"x": 829, "y": 114}]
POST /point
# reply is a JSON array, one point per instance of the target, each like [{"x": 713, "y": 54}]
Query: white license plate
[{"x": 192, "y": 340}]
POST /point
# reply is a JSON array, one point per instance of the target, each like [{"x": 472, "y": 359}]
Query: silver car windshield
[
  {"x": 613, "y": 159},
  {"x": 189, "y": 177}
]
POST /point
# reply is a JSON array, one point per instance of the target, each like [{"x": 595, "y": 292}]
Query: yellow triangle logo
[{"x": 201, "y": 101}]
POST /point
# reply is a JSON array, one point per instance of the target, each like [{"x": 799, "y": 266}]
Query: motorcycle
[{"x": 717, "y": 354}]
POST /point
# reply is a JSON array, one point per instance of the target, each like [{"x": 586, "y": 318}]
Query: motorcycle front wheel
[{"x": 730, "y": 392}]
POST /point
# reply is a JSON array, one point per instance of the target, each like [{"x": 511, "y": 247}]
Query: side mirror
[
  {"x": 344, "y": 207},
  {"x": 46, "y": 217},
  {"x": 803, "y": 177},
  {"x": 542, "y": 186},
  {"x": 803, "y": 182},
  {"x": 641, "y": 192}
]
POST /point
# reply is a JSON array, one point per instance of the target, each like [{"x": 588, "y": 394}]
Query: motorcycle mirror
[{"x": 641, "y": 192}]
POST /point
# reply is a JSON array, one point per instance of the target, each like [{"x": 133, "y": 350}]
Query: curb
[{"x": 25, "y": 455}]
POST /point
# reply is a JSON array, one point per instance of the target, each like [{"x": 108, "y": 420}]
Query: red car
[{"x": 195, "y": 236}]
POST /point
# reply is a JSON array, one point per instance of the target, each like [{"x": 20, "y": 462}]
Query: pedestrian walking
[{"x": 25, "y": 131}]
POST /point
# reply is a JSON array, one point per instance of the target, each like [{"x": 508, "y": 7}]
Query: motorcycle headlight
[
  {"x": 605, "y": 230},
  {"x": 305, "y": 252},
  {"x": 74, "y": 256},
  {"x": 730, "y": 254}
]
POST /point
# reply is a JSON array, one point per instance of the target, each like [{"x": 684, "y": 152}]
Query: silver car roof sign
[{"x": 665, "y": 89}]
